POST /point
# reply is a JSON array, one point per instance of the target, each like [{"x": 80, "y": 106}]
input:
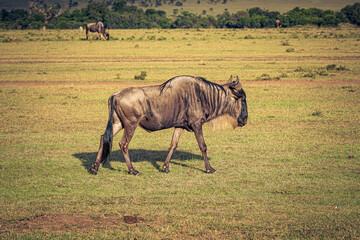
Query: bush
[
  {"x": 285, "y": 43},
  {"x": 331, "y": 67},
  {"x": 141, "y": 76},
  {"x": 310, "y": 75}
]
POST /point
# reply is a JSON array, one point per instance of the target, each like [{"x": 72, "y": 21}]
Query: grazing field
[{"x": 292, "y": 172}]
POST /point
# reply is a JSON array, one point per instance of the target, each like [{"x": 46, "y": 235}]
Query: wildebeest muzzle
[{"x": 242, "y": 119}]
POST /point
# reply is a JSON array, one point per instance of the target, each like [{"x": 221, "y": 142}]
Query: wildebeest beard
[{"x": 183, "y": 102}]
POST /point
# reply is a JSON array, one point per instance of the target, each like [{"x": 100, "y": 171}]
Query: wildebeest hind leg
[
  {"x": 124, "y": 145},
  {"x": 173, "y": 146},
  {"x": 200, "y": 139},
  {"x": 116, "y": 129}
]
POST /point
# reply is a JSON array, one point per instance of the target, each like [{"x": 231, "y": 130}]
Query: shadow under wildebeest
[{"x": 139, "y": 155}]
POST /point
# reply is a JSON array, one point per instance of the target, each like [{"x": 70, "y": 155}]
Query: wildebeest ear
[{"x": 235, "y": 84}]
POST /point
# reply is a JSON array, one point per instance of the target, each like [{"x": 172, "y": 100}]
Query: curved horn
[{"x": 237, "y": 80}]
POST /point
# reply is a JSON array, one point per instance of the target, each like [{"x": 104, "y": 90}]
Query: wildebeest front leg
[
  {"x": 102, "y": 36},
  {"x": 173, "y": 146},
  {"x": 124, "y": 145},
  {"x": 200, "y": 139}
]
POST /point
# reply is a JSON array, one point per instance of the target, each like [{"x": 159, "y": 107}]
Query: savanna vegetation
[
  {"x": 119, "y": 15},
  {"x": 292, "y": 172}
]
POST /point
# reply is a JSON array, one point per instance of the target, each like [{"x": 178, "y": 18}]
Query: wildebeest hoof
[
  {"x": 134, "y": 172},
  {"x": 94, "y": 169},
  {"x": 211, "y": 170},
  {"x": 166, "y": 169}
]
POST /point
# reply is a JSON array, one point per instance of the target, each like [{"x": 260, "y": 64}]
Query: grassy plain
[{"x": 292, "y": 172}]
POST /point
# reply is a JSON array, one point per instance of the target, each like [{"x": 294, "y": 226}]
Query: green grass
[
  {"x": 183, "y": 52},
  {"x": 286, "y": 174}
]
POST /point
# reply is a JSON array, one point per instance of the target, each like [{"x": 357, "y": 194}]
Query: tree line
[{"x": 119, "y": 15}]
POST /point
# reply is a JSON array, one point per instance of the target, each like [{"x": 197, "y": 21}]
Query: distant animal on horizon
[
  {"x": 99, "y": 28},
  {"x": 183, "y": 102}
]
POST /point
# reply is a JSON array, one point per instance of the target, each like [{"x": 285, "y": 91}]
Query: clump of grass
[
  {"x": 333, "y": 67},
  {"x": 249, "y": 37},
  {"x": 321, "y": 72},
  {"x": 264, "y": 77},
  {"x": 142, "y": 76},
  {"x": 310, "y": 75},
  {"x": 299, "y": 69},
  {"x": 285, "y": 43},
  {"x": 267, "y": 77},
  {"x": 290, "y": 50},
  {"x": 317, "y": 114},
  {"x": 283, "y": 75}
]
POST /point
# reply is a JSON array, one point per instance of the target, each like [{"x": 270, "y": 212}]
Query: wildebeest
[
  {"x": 183, "y": 102},
  {"x": 97, "y": 27}
]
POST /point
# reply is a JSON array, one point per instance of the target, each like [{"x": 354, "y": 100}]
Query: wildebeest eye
[{"x": 238, "y": 94}]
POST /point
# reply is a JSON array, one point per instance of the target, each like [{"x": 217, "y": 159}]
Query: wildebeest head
[
  {"x": 238, "y": 94},
  {"x": 107, "y": 35}
]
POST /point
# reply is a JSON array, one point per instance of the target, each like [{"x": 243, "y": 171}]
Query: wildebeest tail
[{"x": 108, "y": 135}]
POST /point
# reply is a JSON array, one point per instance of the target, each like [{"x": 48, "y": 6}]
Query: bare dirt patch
[{"x": 64, "y": 223}]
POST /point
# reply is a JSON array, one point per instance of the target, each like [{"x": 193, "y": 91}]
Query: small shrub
[
  {"x": 342, "y": 68},
  {"x": 142, "y": 76},
  {"x": 290, "y": 50},
  {"x": 331, "y": 67},
  {"x": 300, "y": 69},
  {"x": 316, "y": 114},
  {"x": 249, "y": 37},
  {"x": 322, "y": 72},
  {"x": 310, "y": 75},
  {"x": 285, "y": 43},
  {"x": 264, "y": 77},
  {"x": 283, "y": 75}
]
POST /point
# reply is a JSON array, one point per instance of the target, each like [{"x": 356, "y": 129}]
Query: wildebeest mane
[{"x": 203, "y": 80}]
